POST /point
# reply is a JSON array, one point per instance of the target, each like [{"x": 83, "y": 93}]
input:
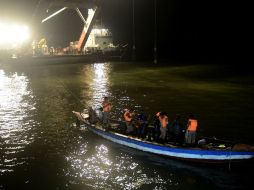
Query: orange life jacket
[
  {"x": 127, "y": 116},
  {"x": 163, "y": 121},
  {"x": 192, "y": 125}
]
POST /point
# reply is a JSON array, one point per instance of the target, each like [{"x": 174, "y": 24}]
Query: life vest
[
  {"x": 127, "y": 116},
  {"x": 192, "y": 125},
  {"x": 163, "y": 121}
]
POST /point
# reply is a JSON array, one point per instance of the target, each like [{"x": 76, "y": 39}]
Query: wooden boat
[{"x": 209, "y": 154}]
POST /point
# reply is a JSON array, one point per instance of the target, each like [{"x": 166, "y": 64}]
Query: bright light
[{"x": 12, "y": 35}]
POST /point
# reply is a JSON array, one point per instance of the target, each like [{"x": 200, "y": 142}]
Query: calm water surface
[{"x": 40, "y": 150}]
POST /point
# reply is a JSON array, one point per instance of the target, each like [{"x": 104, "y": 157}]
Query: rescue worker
[
  {"x": 99, "y": 113},
  {"x": 128, "y": 118},
  {"x": 163, "y": 125},
  {"x": 106, "y": 107},
  {"x": 92, "y": 115},
  {"x": 156, "y": 130},
  {"x": 177, "y": 130},
  {"x": 190, "y": 134},
  {"x": 142, "y": 123}
]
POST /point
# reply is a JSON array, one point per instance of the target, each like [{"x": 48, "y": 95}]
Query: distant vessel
[
  {"x": 100, "y": 39},
  {"x": 93, "y": 40},
  {"x": 100, "y": 43},
  {"x": 95, "y": 44}
]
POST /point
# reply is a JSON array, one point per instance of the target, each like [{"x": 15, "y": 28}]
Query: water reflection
[
  {"x": 98, "y": 80},
  {"x": 15, "y": 105},
  {"x": 104, "y": 170},
  {"x": 96, "y": 77}
]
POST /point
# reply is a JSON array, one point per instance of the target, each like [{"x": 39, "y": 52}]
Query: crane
[{"x": 93, "y": 9}]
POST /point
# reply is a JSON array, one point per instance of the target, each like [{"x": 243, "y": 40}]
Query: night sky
[{"x": 186, "y": 30}]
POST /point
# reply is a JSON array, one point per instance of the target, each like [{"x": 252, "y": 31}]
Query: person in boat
[
  {"x": 155, "y": 131},
  {"x": 100, "y": 113},
  {"x": 92, "y": 115},
  {"x": 106, "y": 107},
  {"x": 142, "y": 123},
  {"x": 128, "y": 118},
  {"x": 163, "y": 118},
  {"x": 177, "y": 130},
  {"x": 190, "y": 134}
]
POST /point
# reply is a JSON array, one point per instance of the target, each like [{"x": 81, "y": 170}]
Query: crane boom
[
  {"x": 87, "y": 28},
  {"x": 54, "y": 14},
  {"x": 88, "y": 23}
]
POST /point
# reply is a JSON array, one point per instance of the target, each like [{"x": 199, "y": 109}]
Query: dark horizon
[{"x": 185, "y": 30}]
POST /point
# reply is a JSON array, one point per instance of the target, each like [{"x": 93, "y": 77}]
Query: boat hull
[
  {"x": 60, "y": 59},
  {"x": 193, "y": 154}
]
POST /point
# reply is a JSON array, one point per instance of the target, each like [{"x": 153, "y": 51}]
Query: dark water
[{"x": 39, "y": 149}]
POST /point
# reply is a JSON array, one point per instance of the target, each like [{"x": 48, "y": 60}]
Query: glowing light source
[{"x": 13, "y": 34}]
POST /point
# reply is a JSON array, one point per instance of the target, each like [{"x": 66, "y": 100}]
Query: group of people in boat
[
  {"x": 137, "y": 125},
  {"x": 161, "y": 130}
]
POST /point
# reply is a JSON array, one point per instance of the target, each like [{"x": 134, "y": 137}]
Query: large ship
[{"x": 94, "y": 44}]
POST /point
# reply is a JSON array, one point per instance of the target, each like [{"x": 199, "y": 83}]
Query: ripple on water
[
  {"x": 15, "y": 102},
  {"x": 100, "y": 170}
]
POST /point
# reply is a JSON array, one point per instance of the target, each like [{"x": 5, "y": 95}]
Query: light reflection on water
[
  {"x": 102, "y": 170},
  {"x": 14, "y": 126},
  {"x": 98, "y": 76}
]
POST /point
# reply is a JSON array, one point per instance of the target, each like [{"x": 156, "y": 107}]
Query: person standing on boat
[
  {"x": 128, "y": 117},
  {"x": 163, "y": 125},
  {"x": 142, "y": 123},
  {"x": 156, "y": 130},
  {"x": 190, "y": 134},
  {"x": 106, "y": 107}
]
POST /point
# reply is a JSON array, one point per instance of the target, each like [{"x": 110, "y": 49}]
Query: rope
[{"x": 68, "y": 91}]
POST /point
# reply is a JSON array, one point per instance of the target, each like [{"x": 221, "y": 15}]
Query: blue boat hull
[{"x": 193, "y": 154}]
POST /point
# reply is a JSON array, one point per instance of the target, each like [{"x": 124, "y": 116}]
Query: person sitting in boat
[
  {"x": 106, "y": 106},
  {"x": 92, "y": 115},
  {"x": 128, "y": 118},
  {"x": 177, "y": 130},
  {"x": 99, "y": 113},
  {"x": 141, "y": 125},
  {"x": 190, "y": 134},
  {"x": 163, "y": 126}
]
